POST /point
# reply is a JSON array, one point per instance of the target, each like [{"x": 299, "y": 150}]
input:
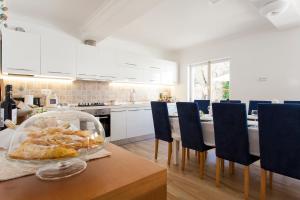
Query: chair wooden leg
[
  {"x": 222, "y": 166},
  {"x": 263, "y": 184},
  {"x": 218, "y": 162},
  {"x": 156, "y": 148},
  {"x": 271, "y": 179},
  {"x": 205, "y": 155},
  {"x": 188, "y": 154},
  {"x": 202, "y": 154},
  {"x": 231, "y": 167},
  {"x": 183, "y": 158},
  {"x": 246, "y": 182},
  {"x": 169, "y": 153},
  {"x": 199, "y": 157},
  {"x": 196, "y": 154}
]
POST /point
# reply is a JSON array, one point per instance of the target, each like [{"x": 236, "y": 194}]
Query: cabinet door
[
  {"x": 139, "y": 122},
  {"x": 148, "y": 121},
  {"x": 58, "y": 56},
  {"x": 118, "y": 124},
  {"x": 132, "y": 73},
  {"x": 108, "y": 69},
  {"x": 88, "y": 62},
  {"x": 169, "y": 72},
  {"x": 20, "y": 52}
]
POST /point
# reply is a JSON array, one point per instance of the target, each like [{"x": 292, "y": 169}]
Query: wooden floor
[{"x": 188, "y": 185}]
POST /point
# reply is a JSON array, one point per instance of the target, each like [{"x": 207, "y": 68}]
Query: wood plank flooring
[{"x": 188, "y": 185}]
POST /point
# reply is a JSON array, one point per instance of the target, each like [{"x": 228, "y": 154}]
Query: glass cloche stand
[{"x": 58, "y": 142}]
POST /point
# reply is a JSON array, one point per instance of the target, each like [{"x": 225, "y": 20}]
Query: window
[{"x": 210, "y": 80}]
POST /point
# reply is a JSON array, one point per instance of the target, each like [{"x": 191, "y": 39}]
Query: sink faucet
[{"x": 132, "y": 96}]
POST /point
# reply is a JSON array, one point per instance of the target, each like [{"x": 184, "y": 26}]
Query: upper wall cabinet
[
  {"x": 20, "y": 52},
  {"x": 152, "y": 71},
  {"x": 88, "y": 62},
  {"x": 58, "y": 56},
  {"x": 108, "y": 68},
  {"x": 169, "y": 72},
  {"x": 130, "y": 68}
]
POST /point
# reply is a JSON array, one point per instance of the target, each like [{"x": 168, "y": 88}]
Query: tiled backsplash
[{"x": 86, "y": 91}]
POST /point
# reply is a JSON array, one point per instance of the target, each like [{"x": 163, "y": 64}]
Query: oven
[{"x": 103, "y": 115}]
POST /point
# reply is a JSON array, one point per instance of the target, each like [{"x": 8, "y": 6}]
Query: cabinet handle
[
  {"x": 52, "y": 72},
  {"x": 131, "y": 64},
  {"x": 135, "y": 110},
  {"x": 155, "y": 67},
  {"x": 132, "y": 78},
  {"x": 20, "y": 69},
  {"x": 118, "y": 111},
  {"x": 108, "y": 76},
  {"x": 88, "y": 74}
]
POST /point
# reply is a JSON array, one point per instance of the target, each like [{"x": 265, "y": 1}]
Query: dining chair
[
  {"x": 191, "y": 132},
  {"x": 231, "y": 139},
  {"x": 230, "y": 101},
  {"x": 162, "y": 127},
  {"x": 291, "y": 102},
  {"x": 279, "y": 141},
  {"x": 254, "y": 103},
  {"x": 203, "y": 105}
]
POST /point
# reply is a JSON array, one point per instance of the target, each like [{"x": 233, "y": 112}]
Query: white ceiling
[
  {"x": 166, "y": 24},
  {"x": 176, "y": 24}
]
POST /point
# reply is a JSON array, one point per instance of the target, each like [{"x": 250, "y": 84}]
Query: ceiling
[{"x": 165, "y": 24}]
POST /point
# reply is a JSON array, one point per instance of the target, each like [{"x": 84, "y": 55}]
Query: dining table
[{"x": 209, "y": 136}]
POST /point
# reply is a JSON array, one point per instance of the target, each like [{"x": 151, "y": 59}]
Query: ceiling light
[{"x": 274, "y": 7}]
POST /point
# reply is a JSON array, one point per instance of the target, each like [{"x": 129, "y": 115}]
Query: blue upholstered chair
[
  {"x": 279, "y": 141},
  {"x": 230, "y": 101},
  {"x": 162, "y": 127},
  {"x": 191, "y": 132},
  {"x": 253, "y": 105},
  {"x": 231, "y": 139},
  {"x": 291, "y": 102},
  {"x": 203, "y": 105}
]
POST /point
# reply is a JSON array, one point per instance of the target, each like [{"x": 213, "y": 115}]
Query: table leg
[{"x": 176, "y": 155}]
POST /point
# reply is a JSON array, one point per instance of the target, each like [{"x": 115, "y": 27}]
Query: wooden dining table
[
  {"x": 123, "y": 175},
  {"x": 209, "y": 136}
]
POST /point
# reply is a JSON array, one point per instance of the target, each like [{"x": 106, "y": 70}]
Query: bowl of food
[{"x": 58, "y": 141}]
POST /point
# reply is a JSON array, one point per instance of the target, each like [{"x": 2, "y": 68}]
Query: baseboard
[{"x": 133, "y": 139}]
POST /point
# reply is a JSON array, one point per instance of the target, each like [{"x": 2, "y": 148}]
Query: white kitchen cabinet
[
  {"x": 152, "y": 71},
  {"x": 58, "y": 56},
  {"x": 131, "y": 70},
  {"x": 139, "y": 122},
  {"x": 20, "y": 52},
  {"x": 118, "y": 124},
  {"x": 169, "y": 72},
  {"x": 108, "y": 68},
  {"x": 88, "y": 62}
]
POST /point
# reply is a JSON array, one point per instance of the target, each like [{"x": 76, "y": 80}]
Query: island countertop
[{"x": 123, "y": 175}]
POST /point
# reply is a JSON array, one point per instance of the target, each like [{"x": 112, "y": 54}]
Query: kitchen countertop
[{"x": 123, "y": 175}]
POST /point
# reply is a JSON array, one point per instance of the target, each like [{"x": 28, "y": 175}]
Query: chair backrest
[
  {"x": 230, "y": 101},
  {"x": 279, "y": 138},
  {"x": 253, "y": 105},
  {"x": 231, "y": 132},
  {"x": 161, "y": 121},
  {"x": 291, "y": 102},
  {"x": 190, "y": 126},
  {"x": 203, "y": 105}
]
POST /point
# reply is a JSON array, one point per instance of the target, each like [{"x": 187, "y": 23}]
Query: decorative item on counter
[
  {"x": 51, "y": 98},
  {"x": 57, "y": 142},
  {"x": 132, "y": 96},
  {"x": 3, "y": 12}
]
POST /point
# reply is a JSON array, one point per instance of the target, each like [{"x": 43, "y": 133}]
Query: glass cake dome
[{"x": 58, "y": 141}]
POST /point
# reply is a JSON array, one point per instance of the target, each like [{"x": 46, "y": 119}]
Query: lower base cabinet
[{"x": 130, "y": 123}]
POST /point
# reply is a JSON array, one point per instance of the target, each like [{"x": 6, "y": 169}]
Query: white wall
[{"x": 271, "y": 54}]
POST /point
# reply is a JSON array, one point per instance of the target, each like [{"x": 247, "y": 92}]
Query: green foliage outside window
[{"x": 226, "y": 90}]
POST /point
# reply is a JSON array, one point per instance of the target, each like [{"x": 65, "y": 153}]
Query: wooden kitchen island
[{"x": 123, "y": 175}]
